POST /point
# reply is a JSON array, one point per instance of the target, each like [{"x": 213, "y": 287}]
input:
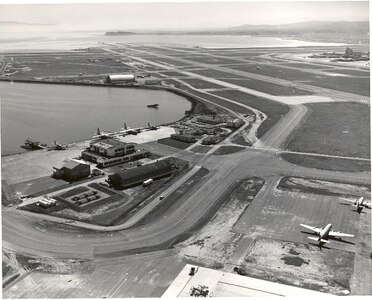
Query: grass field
[
  {"x": 214, "y": 99},
  {"x": 304, "y": 66},
  {"x": 341, "y": 129},
  {"x": 201, "y": 84},
  {"x": 274, "y": 110},
  {"x": 327, "y": 163},
  {"x": 348, "y": 72},
  {"x": 275, "y": 71},
  {"x": 212, "y": 60},
  {"x": 227, "y": 150},
  {"x": 69, "y": 63},
  {"x": 267, "y": 87},
  {"x": 174, "y": 143}
]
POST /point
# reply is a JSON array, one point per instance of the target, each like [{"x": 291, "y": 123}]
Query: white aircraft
[
  {"x": 325, "y": 233},
  {"x": 359, "y": 203}
]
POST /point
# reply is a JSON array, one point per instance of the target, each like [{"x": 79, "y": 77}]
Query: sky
[{"x": 176, "y": 15}]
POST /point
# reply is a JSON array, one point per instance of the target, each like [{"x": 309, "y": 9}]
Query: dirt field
[
  {"x": 334, "y": 128},
  {"x": 327, "y": 163},
  {"x": 300, "y": 265},
  {"x": 214, "y": 244},
  {"x": 321, "y": 187}
]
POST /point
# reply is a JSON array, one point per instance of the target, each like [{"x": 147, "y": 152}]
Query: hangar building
[
  {"x": 120, "y": 78},
  {"x": 72, "y": 170},
  {"x": 138, "y": 175}
]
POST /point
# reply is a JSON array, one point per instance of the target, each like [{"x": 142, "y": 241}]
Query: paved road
[
  {"x": 19, "y": 229},
  {"x": 278, "y": 134}
]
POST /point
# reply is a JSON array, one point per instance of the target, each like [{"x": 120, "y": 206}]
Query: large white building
[
  {"x": 110, "y": 152},
  {"x": 111, "y": 148},
  {"x": 213, "y": 283}
]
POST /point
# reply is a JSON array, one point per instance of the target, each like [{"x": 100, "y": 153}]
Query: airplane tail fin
[{"x": 317, "y": 239}]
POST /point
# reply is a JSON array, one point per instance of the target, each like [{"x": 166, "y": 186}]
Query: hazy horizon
[{"x": 172, "y": 16}]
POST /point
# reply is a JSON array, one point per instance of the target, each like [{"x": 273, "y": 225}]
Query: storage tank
[{"x": 120, "y": 78}]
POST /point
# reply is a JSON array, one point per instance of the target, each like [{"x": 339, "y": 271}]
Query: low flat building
[
  {"x": 138, "y": 175},
  {"x": 72, "y": 170},
  {"x": 211, "y": 140},
  {"x": 213, "y": 283},
  {"x": 209, "y": 120},
  {"x": 236, "y": 123}
]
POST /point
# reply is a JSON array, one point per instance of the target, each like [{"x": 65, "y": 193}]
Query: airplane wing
[
  {"x": 339, "y": 234},
  {"x": 312, "y": 228},
  {"x": 349, "y": 200},
  {"x": 316, "y": 239}
]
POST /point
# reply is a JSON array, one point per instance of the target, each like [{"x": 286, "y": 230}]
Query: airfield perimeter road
[{"x": 29, "y": 234}]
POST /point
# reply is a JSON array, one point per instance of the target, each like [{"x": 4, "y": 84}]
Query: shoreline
[{"x": 194, "y": 102}]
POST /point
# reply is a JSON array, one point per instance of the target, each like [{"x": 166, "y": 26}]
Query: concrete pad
[
  {"x": 295, "y": 100},
  {"x": 148, "y": 136}
]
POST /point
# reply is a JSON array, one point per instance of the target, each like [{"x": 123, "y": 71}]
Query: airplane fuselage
[{"x": 325, "y": 232}]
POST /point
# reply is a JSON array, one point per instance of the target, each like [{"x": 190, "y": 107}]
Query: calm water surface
[
  {"x": 67, "y": 41},
  {"x": 67, "y": 113}
]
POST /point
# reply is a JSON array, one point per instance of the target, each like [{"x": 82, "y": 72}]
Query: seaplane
[
  {"x": 324, "y": 233},
  {"x": 102, "y": 135},
  {"x": 151, "y": 127},
  {"x": 360, "y": 203}
]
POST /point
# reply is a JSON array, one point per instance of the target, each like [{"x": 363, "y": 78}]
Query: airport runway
[{"x": 336, "y": 95}]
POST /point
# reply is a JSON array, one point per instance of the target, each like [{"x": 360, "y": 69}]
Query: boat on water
[
  {"x": 33, "y": 145},
  {"x": 153, "y": 105}
]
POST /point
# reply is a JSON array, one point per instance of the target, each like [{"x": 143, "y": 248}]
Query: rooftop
[
  {"x": 108, "y": 143},
  {"x": 223, "y": 284}
]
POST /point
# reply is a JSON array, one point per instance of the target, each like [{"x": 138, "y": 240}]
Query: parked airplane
[
  {"x": 359, "y": 203},
  {"x": 325, "y": 233}
]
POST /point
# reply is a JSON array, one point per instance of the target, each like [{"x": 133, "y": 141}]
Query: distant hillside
[
  {"x": 360, "y": 27},
  {"x": 15, "y": 23},
  {"x": 109, "y": 33}
]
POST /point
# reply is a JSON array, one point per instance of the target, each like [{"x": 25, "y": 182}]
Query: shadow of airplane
[
  {"x": 332, "y": 238},
  {"x": 320, "y": 246}
]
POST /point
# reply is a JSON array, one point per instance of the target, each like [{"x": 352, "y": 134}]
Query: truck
[{"x": 147, "y": 182}]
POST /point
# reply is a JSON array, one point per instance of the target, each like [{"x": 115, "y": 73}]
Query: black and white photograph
[{"x": 171, "y": 149}]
